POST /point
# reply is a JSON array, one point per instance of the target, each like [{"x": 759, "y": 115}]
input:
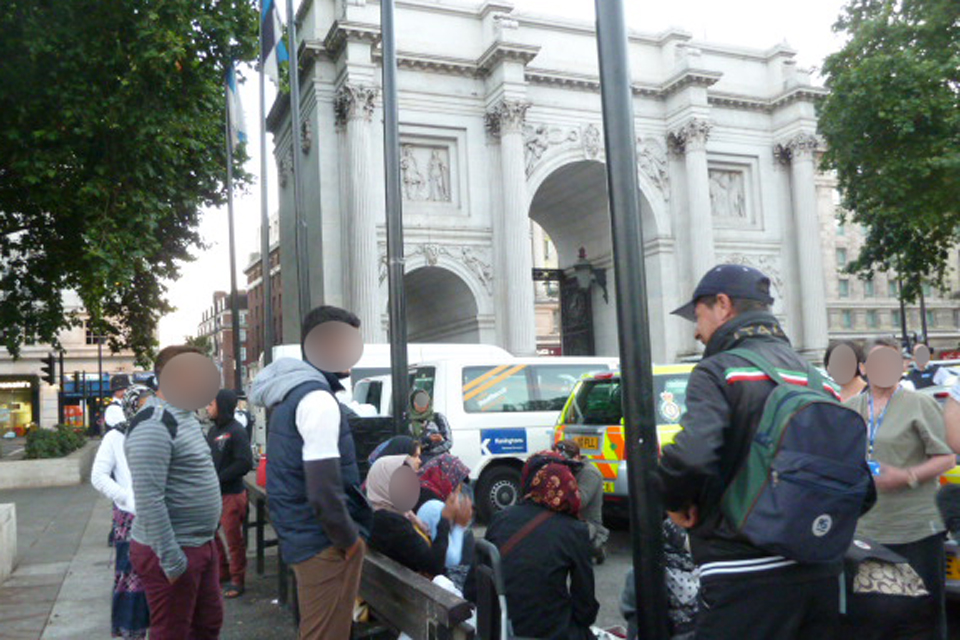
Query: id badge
[{"x": 874, "y": 467}]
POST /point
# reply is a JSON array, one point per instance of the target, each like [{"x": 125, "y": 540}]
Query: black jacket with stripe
[{"x": 725, "y": 401}]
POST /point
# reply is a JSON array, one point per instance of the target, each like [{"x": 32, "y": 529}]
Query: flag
[
  {"x": 238, "y": 131},
  {"x": 272, "y": 49}
]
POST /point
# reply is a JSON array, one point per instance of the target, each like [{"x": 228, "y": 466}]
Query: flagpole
[
  {"x": 234, "y": 302},
  {"x": 266, "y": 286},
  {"x": 300, "y": 234}
]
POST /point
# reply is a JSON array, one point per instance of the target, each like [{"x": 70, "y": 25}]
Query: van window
[
  {"x": 599, "y": 402},
  {"x": 358, "y": 374},
  {"x": 518, "y": 388},
  {"x": 423, "y": 378},
  {"x": 374, "y": 393}
]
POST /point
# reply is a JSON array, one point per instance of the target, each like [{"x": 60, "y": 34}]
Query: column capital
[
  {"x": 803, "y": 145},
  {"x": 355, "y": 101},
  {"x": 691, "y": 135},
  {"x": 507, "y": 116}
]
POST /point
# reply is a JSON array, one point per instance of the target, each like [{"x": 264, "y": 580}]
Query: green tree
[
  {"x": 892, "y": 127},
  {"x": 201, "y": 342},
  {"x": 111, "y": 142}
]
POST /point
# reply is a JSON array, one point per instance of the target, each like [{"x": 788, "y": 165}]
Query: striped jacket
[{"x": 725, "y": 401}]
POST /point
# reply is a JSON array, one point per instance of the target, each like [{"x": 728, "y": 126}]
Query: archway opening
[{"x": 440, "y": 307}]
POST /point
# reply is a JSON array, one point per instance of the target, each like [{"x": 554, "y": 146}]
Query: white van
[{"x": 500, "y": 411}]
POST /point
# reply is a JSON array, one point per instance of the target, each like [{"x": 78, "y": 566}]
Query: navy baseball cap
[{"x": 735, "y": 280}]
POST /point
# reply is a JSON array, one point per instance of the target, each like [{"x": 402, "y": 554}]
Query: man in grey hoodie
[
  {"x": 178, "y": 510},
  {"x": 316, "y": 506}
]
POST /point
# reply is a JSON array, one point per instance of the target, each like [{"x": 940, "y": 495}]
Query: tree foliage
[
  {"x": 111, "y": 141},
  {"x": 892, "y": 126},
  {"x": 200, "y": 342}
]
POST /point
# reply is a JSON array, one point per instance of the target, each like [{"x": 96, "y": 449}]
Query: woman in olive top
[{"x": 907, "y": 453}]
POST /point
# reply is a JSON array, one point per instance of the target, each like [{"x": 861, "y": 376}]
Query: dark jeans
[
  {"x": 763, "y": 607},
  {"x": 233, "y": 565},
  {"x": 190, "y": 608},
  {"x": 928, "y": 559}
]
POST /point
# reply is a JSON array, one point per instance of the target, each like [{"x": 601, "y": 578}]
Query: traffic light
[{"x": 49, "y": 369}]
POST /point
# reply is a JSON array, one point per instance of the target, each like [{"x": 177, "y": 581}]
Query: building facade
[
  {"x": 500, "y": 124},
  {"x": 217, "y": 326},
  {"x": 863, "y": 309},
  {"x": 26, "y": 398},
  {"x": 256, "y": 315}
]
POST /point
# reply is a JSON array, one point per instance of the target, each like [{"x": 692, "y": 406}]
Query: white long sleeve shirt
[{"x": 110, "y": 474}]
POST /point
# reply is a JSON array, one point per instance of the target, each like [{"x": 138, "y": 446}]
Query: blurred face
[
  {"x": 404, "y": 488},
  {"x": 843, "y": 364},
  {"x": 709, "y": 319},
  {"x": 189, "y": 381},
  {"x": 421, "y": 401},
  {"x": 921, "y": 356},
  {"x": 884, "y": 367},
  {"x": 333, "y": 346}
]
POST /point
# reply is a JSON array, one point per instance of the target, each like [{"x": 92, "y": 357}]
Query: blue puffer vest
[{"x": 298, "y": 528}]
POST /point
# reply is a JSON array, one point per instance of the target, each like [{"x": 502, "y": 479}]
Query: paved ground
[
  {"x": 61, "y": 588},
  {"x": 12, "y": 448}
]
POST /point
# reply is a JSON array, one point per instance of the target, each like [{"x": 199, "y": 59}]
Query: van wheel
[{"x": 497, "y": 489}]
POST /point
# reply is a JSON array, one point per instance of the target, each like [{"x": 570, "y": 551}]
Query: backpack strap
[
  {"x": 525, "y": 531},
  {"x": 167, "y": 418}
]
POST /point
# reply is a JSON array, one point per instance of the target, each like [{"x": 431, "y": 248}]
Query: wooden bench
[
  {"x": 408, "y": 602},
  {"x": 257, "y": 497}
]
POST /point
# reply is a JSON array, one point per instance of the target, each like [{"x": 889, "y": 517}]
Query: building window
[
  {"x": 892, "y": 289},
  {"x": 868, "y": 289},
  {"x": 894, "y": 318},
  {"x": 844, "y": 288},
  {"x": 841, "y": 258},
  {"x": 243, "y": 335},
  {"x": 956, "y": 317},
  {"x": 872, "y": 319},
  {"x": 927, "y": 290},
  {"x": 846, "y": 319},
  {"x": 931, "y": 318},
  {"x": 841, "y": 229}
]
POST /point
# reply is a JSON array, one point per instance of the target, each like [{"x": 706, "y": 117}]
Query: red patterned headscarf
[{"x": 551, "y": 483}]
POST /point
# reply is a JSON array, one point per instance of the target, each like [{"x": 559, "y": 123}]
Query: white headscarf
[{"x": 378, "y": 481}]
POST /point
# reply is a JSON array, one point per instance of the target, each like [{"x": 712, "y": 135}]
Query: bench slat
[{"x": 406, "y": 599}]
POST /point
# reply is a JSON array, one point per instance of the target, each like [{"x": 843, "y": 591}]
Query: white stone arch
[
  {"x": 570, "y": 152},
  {"x": 481, "y": 294}
]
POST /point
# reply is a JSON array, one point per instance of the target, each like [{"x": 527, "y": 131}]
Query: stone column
[
  {"x": 800, "y": 152},
  {"x": 691, "y": 140},
  {"x": 511, "y": 231},
  {"x": 354, "y": 106}
]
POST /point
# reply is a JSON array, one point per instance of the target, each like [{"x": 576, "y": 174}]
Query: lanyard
[{"x": 876, "y": 422}]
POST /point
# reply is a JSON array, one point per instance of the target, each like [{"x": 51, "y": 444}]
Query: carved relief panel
[
  {"x": 430, "y": 173},
  {"x": 734, "y": 201}
]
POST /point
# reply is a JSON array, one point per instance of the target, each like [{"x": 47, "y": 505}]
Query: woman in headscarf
[
  {"x": 393, "y": 489},
  {"x": 428, "y": 427},
  {"x": 546, "y": 554},
  {"x": 439, "y": 479},
  {"x": 110, "y": 476}
]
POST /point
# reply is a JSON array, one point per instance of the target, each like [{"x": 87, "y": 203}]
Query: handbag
[{"x": 871, "y": 568}]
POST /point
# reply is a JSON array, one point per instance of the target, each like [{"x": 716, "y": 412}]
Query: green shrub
[{"x": 53, "y": 443}]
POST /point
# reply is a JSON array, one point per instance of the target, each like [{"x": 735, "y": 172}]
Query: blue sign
[{"x": 499, "y": 441}]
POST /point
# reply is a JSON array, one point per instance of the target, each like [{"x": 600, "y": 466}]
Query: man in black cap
[
  {"x": 113, "y": 415},
  {"x": 746, "y": 592}
]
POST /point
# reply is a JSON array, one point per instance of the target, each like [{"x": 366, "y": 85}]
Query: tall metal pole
[
  {"x": 300, "y": 234},
  {"x": 904, "y": 341},
  {"x": 646, "y": 508},
  {"x": 266, "y": 286},
  {"x": 61, "y": 397},
  {"x": 923, "y": 316},
  {"x": 99, "y": 382},
  {"x": 395, "y": 261},
  {"x": 234, "y": 301}
]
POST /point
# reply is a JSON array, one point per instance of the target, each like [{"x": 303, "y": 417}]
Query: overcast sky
[{"x": 806, "y": 26}]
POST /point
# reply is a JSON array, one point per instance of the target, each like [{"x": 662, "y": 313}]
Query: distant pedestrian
[
  {"x": 233, "y": 459},
  {"x": 110, "y": 475},
  {"x": 747, "y": 592},
  {"x": 395, "y": 446},
  {"x": 843, "y": 361},
  {"x": 908, "y": 452},
  {"x": 428, "y": 426},
  {"x": 923, "y": 374},
  {"x": 113, "y": 415},
  {"x": 590, "y": 481},
  {"x": 178, "y": 510},
  {"x": 545, "y": 552},
  {"x": 313, "y": 481}
]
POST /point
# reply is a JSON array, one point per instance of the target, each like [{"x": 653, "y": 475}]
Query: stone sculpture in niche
[
  {"x": 727, "y": 194},
  {"x": 439, "y": 177},
  {"x": 412, "y": 178}
]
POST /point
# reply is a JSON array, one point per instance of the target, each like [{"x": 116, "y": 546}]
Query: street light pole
[
  {"x": 646, "y": 508},
  {"x": 99, "y": 382},
  {"x": 391, "y": 163}
]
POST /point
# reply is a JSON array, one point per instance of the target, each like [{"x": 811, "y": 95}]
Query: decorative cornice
[
  {"x": 355, "y": 101},
  {"x": 507, "y": 116},
  {"x": 342, "y": 32},
  {"x": 803, "y": 144},
  {"x": 693, "y": 133},
  {"x": 433, "y": 63},
  {"x": 734, "y": 101},
  {"x": 799, "y": 94},
  {"x": 690, "y": 78},
  {"x": 506, "y": 51},
  {"x": 563, "y": 80}
]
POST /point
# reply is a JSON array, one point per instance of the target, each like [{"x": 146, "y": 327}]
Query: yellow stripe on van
[
  {"x": 479, "y": 380},
  {"x": 473, "y": 394}
]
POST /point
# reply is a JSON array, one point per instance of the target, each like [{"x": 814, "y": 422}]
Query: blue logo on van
[{"x": 499, "y": 441}]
